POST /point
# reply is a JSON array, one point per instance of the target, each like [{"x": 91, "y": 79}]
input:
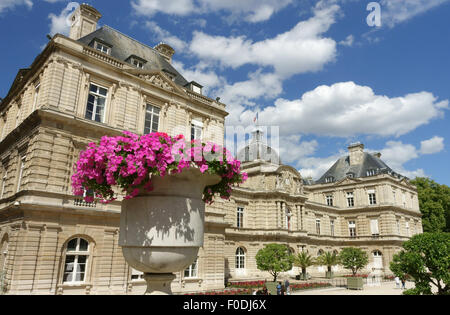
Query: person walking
[
  {"x": 403, "y": 283},
  {"x": 286, "y": 285},
  {"x": 279, "y": 288},
  {"x": 397, "y": 282}
]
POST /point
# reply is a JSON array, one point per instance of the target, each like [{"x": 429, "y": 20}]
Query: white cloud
[
  {"x": 347, "y": 109},
  {"x": 394, "y": 12},
  {"x": 299, "y": 50},
  {"x": 61, "y": 23},
  {"x": 432, "y": 146},
  {"x": 10, "y": 4},
  {"x": 165, "y": 36},
  {"x": 348, "y": 41},
  {"x": 251, "y": 10}
]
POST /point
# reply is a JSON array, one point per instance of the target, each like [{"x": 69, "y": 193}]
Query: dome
[{"x": 258, "y": 150}]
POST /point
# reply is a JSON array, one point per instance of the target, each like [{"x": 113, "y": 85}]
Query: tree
[
  {"x": 304, "y": 260},
  {"x": 354, "y": 259},
  {"x": 434, "y": 202},
  {"x": 274, "y": 258},
  {"x": 328, "y": 259},
  {"x": 426, "y": 258}
]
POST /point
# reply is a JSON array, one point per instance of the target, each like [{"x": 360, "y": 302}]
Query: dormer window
[
  {"x": 136, "y": 61},
  {"x": 329, "y": 179},
  {"x": 350, "y": 175},
  {"x": 102, "y": 47},
  {"x": 194, "y": 87}
]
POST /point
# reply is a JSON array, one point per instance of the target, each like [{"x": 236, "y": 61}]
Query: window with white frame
[
  {"x": 37, "y": 88},
  {"x": 318, "y": 226},
  {"x": 102, "y": 47},
  {"x": 240, "y": 217},
  {"x": 196, "y": 130},
  {"x": 329, "y": 179},
  {"x": 151, "y": 119},
  {"x": 76, "y": 260},
  {"x": 96, "y": 105},
  {"x": 372, "y": 197},
  {"x": 407, "y": 229},
  {"x": 350, "y": 199},
  {"x": 398, "y": 226},
  {"x": 192, "y": 270},
  {"x": 329, "y": 200},
  {"x": 137, "y": 63},
  {"x": 352, "y": 228},
  {"x": 136, "y": 275},
  {"x": 374, "y": 227},
  {"x": 332, "y": 227},
  {"x": 240, "y": 258}
]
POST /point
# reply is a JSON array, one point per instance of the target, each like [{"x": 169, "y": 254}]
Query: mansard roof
[
  {"x": 370, "y": 166},
  {"x": 123, "y": 46}
]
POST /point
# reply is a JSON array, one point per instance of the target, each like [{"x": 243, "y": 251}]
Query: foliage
[
  {"x": 247, "y": 284},
  {"x": 434, "y": 202},
  {"x": 130, "y": 161},
  {"x": 303, "y": 260},
  {"x": 274, "y": 258},
  {"x": 306, "y": 286},
  {"x": 426, "y": 258},
  {"x": 353, "y": 259},
  {"x": 328, "y": 259}
]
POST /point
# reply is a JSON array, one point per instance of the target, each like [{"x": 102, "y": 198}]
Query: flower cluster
[
  {"x": 225, "y": 292},
  {"x": 130, "y": 161},
  {"x": 307, "y": 286},
  {"x": 247, "y": 284},
  {"x": 356, "y": 276}
]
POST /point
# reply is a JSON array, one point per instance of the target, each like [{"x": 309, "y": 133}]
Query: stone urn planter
[
  {"x": 161, "y": 231},
  {"x": 355, "y": 283}
]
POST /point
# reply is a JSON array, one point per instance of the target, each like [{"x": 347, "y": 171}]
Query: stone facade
[{"x": 43, "y": 226}]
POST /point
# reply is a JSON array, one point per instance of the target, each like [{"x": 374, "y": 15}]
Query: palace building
[{"x": 98, "y": 82}]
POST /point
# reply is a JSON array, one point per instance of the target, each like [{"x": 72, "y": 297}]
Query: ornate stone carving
[{"x": 157, "y": 80}]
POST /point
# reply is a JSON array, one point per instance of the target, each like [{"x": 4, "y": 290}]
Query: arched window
[
  {"x": 76, "y": 261},
  {"x": 240, "y": 258}
]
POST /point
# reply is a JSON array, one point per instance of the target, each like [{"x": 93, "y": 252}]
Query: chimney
[
  {"x": 356, "y": 151},
  {"x": 84, "y": 21},
  {"x": 165, "y": 51}
]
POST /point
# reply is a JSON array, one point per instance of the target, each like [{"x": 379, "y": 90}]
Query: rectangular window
[
  {"x": 240, "y": 218},
  {"x": 138, "y": 64},
  {"x": 136, "y": 275},
  {"x": 22, "y": 167},
  {"x": 398, "y": 227},
  {"x": 407, "y": 229},
  {"x": 151, "y": 119},
  {"x": 330, "y": 200},
  {"x": 103, "y": 48},
  {"x": 332, "y": 227},
  {"x": 374, "y": 227},
  {"x": 394, "y": 196},
  {"x": 352, "y": 228},
  {"x": 192, "y": 270},
  {"x": 96, "y": 105},
  {"x": 350, "y": 199},
  {"x": 318, "y": 227},
  {"x": 196, "y": 130},
  {"x": 372, "y": 197}
]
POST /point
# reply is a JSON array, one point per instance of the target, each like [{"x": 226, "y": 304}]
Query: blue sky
[{"x": 316, "y": 69}]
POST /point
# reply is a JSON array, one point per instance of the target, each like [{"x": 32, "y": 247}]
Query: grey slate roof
[
  {"x": 342, "y": 168},
  {"x": 123, "y": 46}
]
